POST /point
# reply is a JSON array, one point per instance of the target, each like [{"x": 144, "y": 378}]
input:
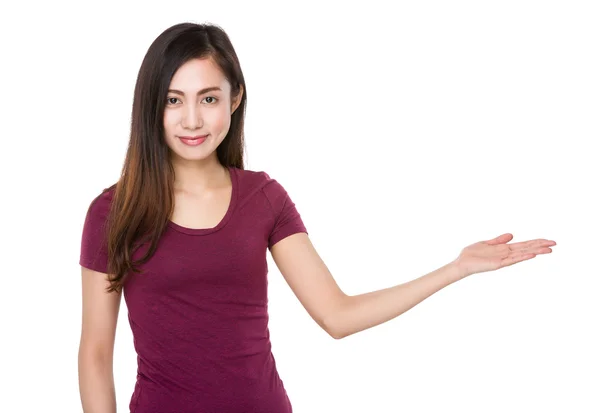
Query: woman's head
[
  {"x": 199, "y": 102},
  {"x": 190, "y": 57},
  {"x": 187, "y": 58}
]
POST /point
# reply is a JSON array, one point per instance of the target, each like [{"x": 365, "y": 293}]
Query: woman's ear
[{"x": 236, "y": 102}]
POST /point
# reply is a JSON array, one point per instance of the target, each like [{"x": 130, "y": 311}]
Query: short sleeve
[
  {"x": 286, "y": 218},
  {"x": 94, "y": 242}
]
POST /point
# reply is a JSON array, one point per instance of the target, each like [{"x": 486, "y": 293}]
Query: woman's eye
[{"x": 173, "y": 101}]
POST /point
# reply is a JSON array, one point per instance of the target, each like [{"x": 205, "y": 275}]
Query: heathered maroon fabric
[{"x": 198, "y": 312}]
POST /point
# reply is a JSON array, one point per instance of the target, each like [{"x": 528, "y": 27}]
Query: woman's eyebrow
[{"x": 206, "y": 89}]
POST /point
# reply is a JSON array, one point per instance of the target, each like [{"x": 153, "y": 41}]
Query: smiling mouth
[
  {"x": 193, "y": 137},
  {"x": 193, "y": 141}
]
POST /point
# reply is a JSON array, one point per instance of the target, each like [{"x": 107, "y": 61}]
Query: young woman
[{"x": 184, "y": 235}]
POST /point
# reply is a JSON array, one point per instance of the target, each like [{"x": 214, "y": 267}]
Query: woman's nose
[{"x": 192, "y": 117}]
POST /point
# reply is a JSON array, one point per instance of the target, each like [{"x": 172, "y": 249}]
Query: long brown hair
[{"x": 143, "y": 199}]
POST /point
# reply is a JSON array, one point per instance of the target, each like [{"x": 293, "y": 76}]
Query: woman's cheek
[
  {"x": 221, "y": 123},
  {"x": 170, "y": 120}
]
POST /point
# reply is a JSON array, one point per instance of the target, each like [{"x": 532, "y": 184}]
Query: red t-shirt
[{"x": 198, "y": 312}]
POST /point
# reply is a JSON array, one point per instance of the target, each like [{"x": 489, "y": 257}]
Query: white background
[{"x": 403, "y": 133}]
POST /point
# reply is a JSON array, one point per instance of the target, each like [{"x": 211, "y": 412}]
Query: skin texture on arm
[
  {"x": 342, "y": 315},
  {"x": 360, "y": 312},
  {"x": 98, "y": 328},
  {"x": 339, "y": 314}
]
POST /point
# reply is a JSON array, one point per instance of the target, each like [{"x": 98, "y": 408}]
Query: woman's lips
[{"x": 193, "y": 140}]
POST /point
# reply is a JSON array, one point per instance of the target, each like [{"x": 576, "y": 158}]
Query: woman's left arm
[{"x": 342, "y": 315}]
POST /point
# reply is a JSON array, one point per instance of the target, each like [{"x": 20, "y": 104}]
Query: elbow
[
  {"x": 333, "y": 333},
  {"x": 332, "y": 324},
  {"x": 337, "y": 336},
  {"x": 329, "y": 328},
  {"x": 95, "y": 354}
]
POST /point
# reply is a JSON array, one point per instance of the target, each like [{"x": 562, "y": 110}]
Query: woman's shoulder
[
  {"x": 263, "y": 181},
  {"x": 252, "y": 174},
  {"x": 99, "y": 206},
  {"x": 256, "y": 178},
  {"x": 93, "y": 238}
]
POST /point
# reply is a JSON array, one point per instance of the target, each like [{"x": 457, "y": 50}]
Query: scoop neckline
[{"x": 224, "y": 220}]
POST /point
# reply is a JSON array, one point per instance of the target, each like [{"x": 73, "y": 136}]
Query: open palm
[{"x": 496, "y": 253}]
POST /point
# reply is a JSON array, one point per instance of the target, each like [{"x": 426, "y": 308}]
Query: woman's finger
[
  {"x": 530, "y": 245},
  {"x": 515, "y": 258}
]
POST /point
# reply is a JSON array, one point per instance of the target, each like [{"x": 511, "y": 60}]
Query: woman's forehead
[{"x": 199, "y": 74}]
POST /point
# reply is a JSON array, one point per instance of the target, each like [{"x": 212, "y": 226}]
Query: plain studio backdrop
[{"x": 402, "y": 131}]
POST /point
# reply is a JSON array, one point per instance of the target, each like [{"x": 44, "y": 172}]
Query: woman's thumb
[{"x": 502, "y": 239}]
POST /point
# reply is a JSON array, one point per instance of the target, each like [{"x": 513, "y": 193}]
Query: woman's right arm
[{"x": 100, "y": 312}]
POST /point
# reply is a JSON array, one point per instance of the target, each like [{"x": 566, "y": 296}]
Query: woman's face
[{"x": 198, "y": 103}]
